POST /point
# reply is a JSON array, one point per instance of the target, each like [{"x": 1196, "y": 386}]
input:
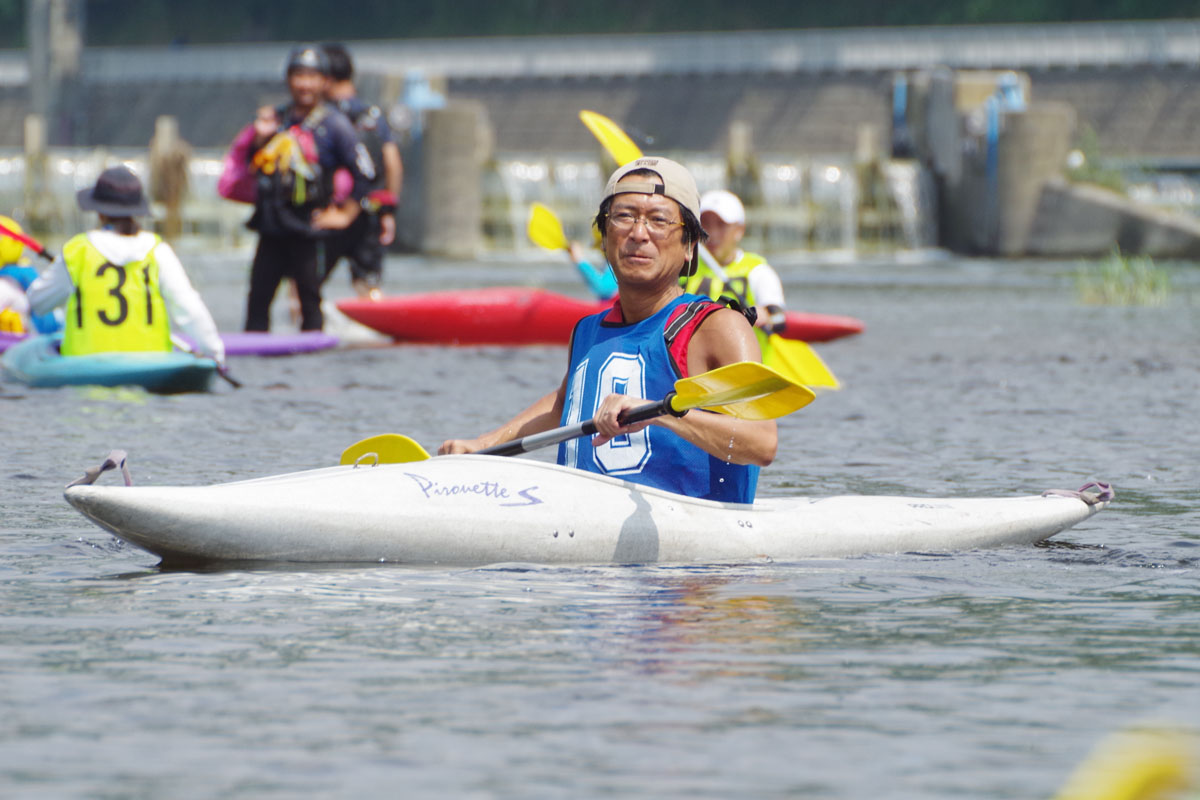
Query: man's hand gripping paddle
[{"x": 746, "y": 390}]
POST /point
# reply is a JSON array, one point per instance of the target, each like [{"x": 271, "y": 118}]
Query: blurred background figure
[
  {"x": 363, "y": 243},
  {"x": 124, "y": 288},
  {"x": 16, "y": 276},
  {"x": 294, "y": 158},
  {"x": 731, "y": 270}
]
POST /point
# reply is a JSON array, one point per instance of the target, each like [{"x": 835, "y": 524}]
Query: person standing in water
[{"x": 294, "y": 154}]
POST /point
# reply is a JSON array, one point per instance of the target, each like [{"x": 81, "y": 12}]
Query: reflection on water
[{"x": 986, "y": 674}]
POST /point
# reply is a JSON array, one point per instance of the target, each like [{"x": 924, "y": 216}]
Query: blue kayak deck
[{"x": 36, "y": 362}]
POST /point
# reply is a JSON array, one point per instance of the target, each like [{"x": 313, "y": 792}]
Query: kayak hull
[
  {"x": 255, "y": 343},
  {"x": 522, "y": 316},
  {"x": 36, "y": 362},
  {"x": 497, "y": 316},
  {"x": 8, "y": 339},
  {"x": 811, "y": 327},
  {"x": 471, "y": 510}
]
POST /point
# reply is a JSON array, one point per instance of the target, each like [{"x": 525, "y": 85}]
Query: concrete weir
[
  {"x": 981, "y": 118},
  {"x": 999, "y": 164}
]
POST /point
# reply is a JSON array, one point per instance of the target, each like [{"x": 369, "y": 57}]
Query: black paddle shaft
[{"x": 536, "y": 441}]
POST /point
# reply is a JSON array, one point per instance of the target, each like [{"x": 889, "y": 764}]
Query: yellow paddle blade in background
[
  {"x": 545, "y": 230},
  {"x": 387, "y": 448},
  {"x": 796, "y": 360},
  {"x": 746, "y": 390},
  {"x": 615, "y": 141},
  {"x": 1137, "y": 764}
]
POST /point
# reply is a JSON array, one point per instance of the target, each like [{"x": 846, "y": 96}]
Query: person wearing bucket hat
[
  {"x": 124, "y": 288},
  {"x": 654, "y": 334},
  {"x": 293, "y": 152}
]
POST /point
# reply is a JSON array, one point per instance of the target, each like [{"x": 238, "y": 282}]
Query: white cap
[{"x": 725, "y": 205}]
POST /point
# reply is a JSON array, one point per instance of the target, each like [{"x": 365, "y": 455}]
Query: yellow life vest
[
  {"x": 115, "y": 307},
  {"x": 705, "y": 282}
]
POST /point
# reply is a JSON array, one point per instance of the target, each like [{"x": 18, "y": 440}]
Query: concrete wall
[
  {"x": 451, "y": 192},
  {"x": 1079, "y": 220}
]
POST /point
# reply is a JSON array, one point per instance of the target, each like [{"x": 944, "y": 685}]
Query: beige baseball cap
[{"x": 677, "y": 184}]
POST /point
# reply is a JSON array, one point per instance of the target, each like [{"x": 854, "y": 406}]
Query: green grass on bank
[{"x": 1122, "y": 280}]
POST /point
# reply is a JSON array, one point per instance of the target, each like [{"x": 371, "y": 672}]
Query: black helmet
[{"x": 307, "y": 56}]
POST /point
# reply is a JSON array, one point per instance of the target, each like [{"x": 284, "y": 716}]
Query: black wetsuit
[{"x": 287, "y": 243}]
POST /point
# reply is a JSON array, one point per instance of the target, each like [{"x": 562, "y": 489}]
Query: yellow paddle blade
[
  {"x": 794, "y": 359},
  {"x": 386, "y": 448},
  {"x": 545, "y": 230},
  {"x": 1148, "y": 764},
  {"x": 618, "y": 145},
  {"x": 746, "y": 390}
]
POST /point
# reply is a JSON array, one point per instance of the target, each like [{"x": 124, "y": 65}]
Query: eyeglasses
[{"x": 656, "y": 224}]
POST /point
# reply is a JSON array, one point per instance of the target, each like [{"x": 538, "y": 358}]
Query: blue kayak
[{"x": 36, "y": 362}]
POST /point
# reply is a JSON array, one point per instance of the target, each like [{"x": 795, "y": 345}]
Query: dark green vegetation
[{"x": 124, "y": 22}]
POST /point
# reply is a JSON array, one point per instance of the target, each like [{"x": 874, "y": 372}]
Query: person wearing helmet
[
  {"x": 363, "y": 243},
  {"x": 654, "y": 334},
  {"x": 293, "y": 154},
  {"x": 16, "y": 276},
  {"x": 124, "y": 288}
]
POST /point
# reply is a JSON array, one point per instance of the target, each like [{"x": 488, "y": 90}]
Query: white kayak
[{"x": 473, "y": 510}]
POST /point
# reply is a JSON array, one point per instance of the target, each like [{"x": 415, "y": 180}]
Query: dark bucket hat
[{"x": 117, "y": 193}]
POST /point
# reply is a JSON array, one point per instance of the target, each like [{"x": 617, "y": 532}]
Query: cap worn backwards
[{"x": 677, "y": 184}]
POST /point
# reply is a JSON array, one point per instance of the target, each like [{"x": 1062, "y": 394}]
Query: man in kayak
[
  {"x": 293, "y": 155},
  {"x": 363, "y": 243},
  {"x": 654, "y": 334},
  {"x": 123, "y": 287},
  {"x": 746, "y": 276}
]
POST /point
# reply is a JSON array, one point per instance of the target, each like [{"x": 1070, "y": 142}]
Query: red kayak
[{"x": 518, "y": 315}]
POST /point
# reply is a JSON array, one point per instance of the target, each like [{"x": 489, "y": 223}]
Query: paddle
[
  {"x": 545, "y": 230},
  {"x": 31, "y": 243},
  {"x": 223, "y": 371},
  {"x": 746, "y": 390},
  {"x": 615, "y": 141},
  {"x": 800, "y": 362},
  {"x": 792, "y": 357}
]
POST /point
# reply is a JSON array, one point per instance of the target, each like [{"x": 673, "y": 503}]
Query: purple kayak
[
  {"x": 7, "y": 339},
  {"x": 277, "y": 344}
]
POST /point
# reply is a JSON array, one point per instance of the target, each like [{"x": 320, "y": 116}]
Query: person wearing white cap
[
  {"x": 124, "y": 288},
  {"x": 654, "y": 334},
  {"x": 747, "y": 276}
]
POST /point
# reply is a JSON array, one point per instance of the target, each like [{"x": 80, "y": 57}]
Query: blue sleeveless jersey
[{"x": 608, "y": 358}]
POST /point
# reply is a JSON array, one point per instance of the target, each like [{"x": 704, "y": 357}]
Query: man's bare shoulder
[{"x": 724, "y": 337}]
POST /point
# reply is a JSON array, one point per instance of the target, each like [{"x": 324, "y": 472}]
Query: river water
[{"x": 985, "y": 674}]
